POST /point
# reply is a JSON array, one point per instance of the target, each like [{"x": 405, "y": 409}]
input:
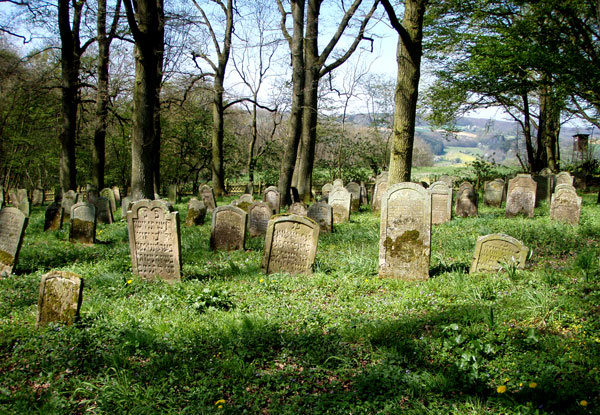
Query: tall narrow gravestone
[
  {"x": 196, "y": 212},
  {"x": 545, "y": 185},
  {"x": 322, "y": 213},
  {"x": 60, "y": 298},
  {"x": 109, "y": 195},
  {"x": 290, "y": 245},
  {"x": 381, "y": 186},
  {"x": 228, "y": 230},
  {"x": 466, "y": 201},
  {"x": 441, "y": 203},
  {"x": 54, "y": 217},
  {"x": 12, "y": 229},
  {"x": 83, "y": 223},
  {"x": 405, "y": 232},
  {"x": 566, "y": 205},
  {"x": 208, "y": 197},
  {"x": 271, "y": 196},
  {"x": 68, "y": 200},
  {"x": 495, "y": 250},
  {"x": 172, "y": 193},
  {"x": 341, "y": 201},
  {"x": 354, "y": 189},
  {"x": 37, "y": 197},
  {"x": 117, "y": 194},
  {"x": 521, "y": 196},
  {"x": 104, "y": 212},
  {"x": 154, "y": 240},
  {"x": 493, "y": 193},
  {"x": 259, "y": 214}
]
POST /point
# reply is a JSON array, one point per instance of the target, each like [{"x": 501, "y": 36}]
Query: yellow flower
[
  {"x": 129, "y": 281},
  {"x": 501, "y": 389},
  {"x": 220, "y": 406},
  {"x": 261, "y": 280},
  {"x": 506, "y": 380},
  {"x": 219, "y": 402},
  {"x": 367, "y": 280},
  {"x": 583, "y": 403},
  {"x": 533, "y": 385}
]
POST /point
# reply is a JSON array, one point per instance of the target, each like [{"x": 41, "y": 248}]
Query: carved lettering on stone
[
  {"x": 521, "y": 196},
  {"x": 228, "y": 230},
  {"x": 441, "y": 203},
  {"x": 259, "y": 214},
  {"x": 565, "y": 205},
  {"x": 322, "y": 213},
  {"x": 271, "y": 196},
  {"x": 60, "y": 298},
  {"x": 495, "y": 250},
  {"x": 341, "y": 201},
  {"x": 12, "y": 229}
]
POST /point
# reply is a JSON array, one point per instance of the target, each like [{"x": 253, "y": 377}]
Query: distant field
[{"x": 464, "y": 154}]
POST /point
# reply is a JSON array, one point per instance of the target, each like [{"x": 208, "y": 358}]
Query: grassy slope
[{"x": 229, "y": 339}]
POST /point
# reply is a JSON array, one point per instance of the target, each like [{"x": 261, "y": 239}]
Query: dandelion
[
  {"x": 129, "y": 281},
  {"x": 367, "y": 280},
  {"x": 220, "y": 402},
  {"x": 261, "y": 280},
  {"x": 533, "y": 385},
  {"x": 220, "y": 406},
  {"x": 583, "y": 403},
  {"x": 501, "y": 389}
]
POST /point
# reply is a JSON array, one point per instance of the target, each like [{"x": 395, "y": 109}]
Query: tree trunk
[
  {"x": 251, "y": 158},
  {"x": 527, "y": 133},
  {"x": 218, "y": 175},
  {"x": 98, "y": 151},
  {"x": 160, "y": 52},
  {"x": 550, "y": 109}
]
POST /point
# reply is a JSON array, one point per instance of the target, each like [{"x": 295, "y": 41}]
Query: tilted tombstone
[
  {"x": 493, "y": 192},
  {"x": 12, "y": 229},
  {"x": 521, "y": 196},
  {"x": 441, "y": 203},
  {"x": 354, "y": 189},
  {"x": 172, "y": 194},
  {"x": 495, "y": 250},
  {"x": 117, "y": 194},
  {"x": 545, "y": 185},
  {"x": 565, "y": 205},
  {"x": 61, "y": 294},
  {"x": 466, "y": 201},
  {"x": 325, "y": 190},
  {"x": 405, "y": 232},
  {"x": 110, "y": 196},
  {"x": 271, "y": 196},
  {"x": 322, "y": 213},
  {"x": 341, "y": 201},
  {"x": 338, "y": 183},
  {"x": 83, "y": 223},
  {"x": 207, "y": 195},
  {"x": 564, "y": 177},
  {"x": 37, "y": 197},
  {"x": 290, "y": 245},
  {"x": 228, "y": 231},
  {"x": 196, "y": 212},
  {"x": 125, "y": 206},
  {"x": 259, "y": 214},
  {"x": 380, "y": 188},
  {"x": 103, "y": 211},
  {"x": 69, "y": 198},
  {"x": 54, "y": 217},
  {"x": 154, "y": 240},
  {"x": 297, "y": 208}
]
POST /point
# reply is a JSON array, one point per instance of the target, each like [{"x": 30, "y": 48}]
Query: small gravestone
[
  {"x": 325, "y": 190},
  {"x": 322, "y": 213},
  {"x": 364, "y": 195},
  {"x": 521, "y": 196},
  {"x": 271, "y": 196},
  {"x": 297, "y": 208},
  {"x": 54, "y": 217},
  {"x": 103, "y": 211},
  {"x": 466, "y": 201},
  {"x": 172, "y": 194},
  {"x": 109, "y": 195},
  {"x": 565, "y": 205},
  {"x": 60, "y": 298},
  {"x": 441, "y": 203},
  {"x": 12, "y": 228},
  {"x": 341, "y": 201},
  {"x": 117, "y": 194},
  {"x": 378, "y": 192},
  {"x": 196, "y": 212},
  {"x": 208, "y": 197},
  {"x": 246, "y": 198},
  {"x": 83, "y": 223},
  {"x": 564, "y": 177},
  {"x": 493, "y": 193},
  {"x": 228, "y": 231},
  {"x": 259, "y": 214},
  {"x": 545, "y": 184},
  {"x": 405, "y": 232},
  {"x": 354, "y": 189},
  {"x": 37, "y": 197},
  {"x": 338, "y": 183},
  {"x": 20, "y": 200},
  {"x": 92, "y": 195},
  {"x": 154, "y": 240},
  {"x": 495, "y": 250},
  {"x": 125, "y": 206},
  {"x": 68, "y": 200},
  {"x": 290, "y": 245}
]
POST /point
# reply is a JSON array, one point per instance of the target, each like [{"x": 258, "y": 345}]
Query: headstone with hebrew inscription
[
  {"x": 196, "y": 212},
  {"x": 60, "y": 298},
  {"x": 494, "y": 251},
  {"x": 341, "y": 201},
  {"x": 405, "y": 232},
  {"x": 83, "y": 223},
  {"x": 297, "y": 208},
  {"x": 493, "y": 193},
  {"x": 354, "y": 189},
  {"x": 103, "y": 211},
  {"x": 564, "y": 177},
  {"x": 565, "y": 205},
  {"x": 322, "y": 213},
  {"x": 441, "y": 203},
  {"x": 228, "y": 231},
  {"x": 290, "y": 245},
  {"x": 154, "y": 240},
  {"x": 37, "y": 197},
  {"x": 12, "y": 229},
  {"x": 259, "y": 214},
  {"x": 54, "y": 217},
  {"x": 271, "y": 196},
  {"x": 466, "y": 201},
  {"x": 380, "y": 188},
  {"x": 520, "y": 198},
  {"x": 207, "y": 195},
  {"x": 69, "y": 198},
  {"x": 109, "y": 195}
]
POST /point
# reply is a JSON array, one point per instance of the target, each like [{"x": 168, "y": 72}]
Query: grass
[{"x": 229, "y": 339}]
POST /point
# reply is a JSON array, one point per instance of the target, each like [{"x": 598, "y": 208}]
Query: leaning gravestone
[
  {"x": 208, "y": 197},
  {"x": 117, "y": 194},
  {"x": 493, "y": 193},
  {"x": 83, "y": 223},
  {"x": 341, "y": 201},
  {"x": 196, "y": 212},
  {"x": 338, "y": 183},
  {"x": 37, "y": 197},
  {"x": 441, "y": 203},
  {"x": 54, "y": 217},
  {"x": 109, "y": 195},
  {"x": 125, "y": 206},
  {"x": 564, "y": 177},
  {"x": 325, "y": 190},
  {"x": 492, "y": 251},
  {"x": 322, "y": 213},
  {"x": 271, "y": 196},
  {"x": 68, "y": 200},
  {"x": 259, "y": 214},
  {"x": 12, "y": 228},
  {"x": 154, "y": 240},
  {"x": 228, "y": 231},
  {"x": 405, "y": 233},
  {"x": 466, "y": 201},
  {"x": 565, "y": 205},
  {"x": 521, "y": 196},
  {"x": 354, "y": 189},
  {"x": 297, "y": 208},
  {"x": 290, "y": 245},
  {"x": 380, "y": 188},
  {"x": 103, "y": 211},
  {"x": 60, "y": 298}
]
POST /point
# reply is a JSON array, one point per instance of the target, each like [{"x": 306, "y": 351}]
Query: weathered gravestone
[
  {"x": 92, "y": 195},
  {"x": 405, "y": 232},
  {"x": 466, "y": 201},
  {"x": 441, "y": 203},
  {"x": 325, "y": 190},
  {"x": 338, "y": 183},
  {"x": 208, "y": 197},
  {"x": 60, "y": 298},
  {"x": 54, "y": 217},
  {"x": 259, "y": 214},
  {"x": 83, "y": 223},
  {"x": 495, "y": 250},
  {"x": 103, "y": 211},
  {"x": 20, "y": 200},
  {"x": 290, "y": 245},
  {"x": 447, "y": 179},
  {"x": 341, "y": 201},
  {"x": 271, "y": 196},
  {"x": 12, "y": 229},
  {"x": 493, "y": 193},
  {"x": 246, "y": 198},
  {"x": 521, "y": 196},
  {"x": 154, "y": 240},
  {"x": 364, "y": 195},
  {"x": 354, "y": 189},
  {"x": 172, "y": 193},
  {"x": 564, "y": 177},
  {"x": 37, "y": 197},
  {"x": 378, "y": 192},
  {"x": 125, "y": 206},
  {"x": 322, "y": 213},
  {"x": 109, "y": 195},
  {"x": 565, "y": 205},
  {"x": 68, "y": 200},
  {"x": 117, "y": 194},
  {"x": 545, "y": 185},
  {"x": 196, "y": 212},
  {"x": 228, "y": 230},
  {"x": 297, "y": 208}
]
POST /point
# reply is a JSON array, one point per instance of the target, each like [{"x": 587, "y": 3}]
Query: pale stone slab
[
  {"x": 326, "y": 189},
  {"x": 338, "y": 183},
  {"x": 104, "y": 212},
  {"x": 20, "y": 200},
  {"x": 154, "y": 240},
  {"x": 492, "y": 251},
  {"x": 297, "y": 208},
  {"x": 565, "y": 205},
  {"x": 125, "y": 206},
  {"x": 246, "y": 197},
  {"x": 521, "y": 196},
  {"x": 564, "y": 177},
  {"x": 380, "y": 188},
  {"x": 37, "y": 197},
  {"x": 83, "y": 223},
  {"x": 290, "y": 245},
  {"x": 69, "y": 198},
  {"x": 364, "y": 195},
  {"x": 494, "y": 193},
  {"x": 441, "y": 203},
  {"x": 172, "y": 194},
  {"x": 405, "y": 232},
  {"x": 208, "y": 197},
  {"x": 466, "y": 201},
  {"x": 54, "y": 217},
  {"x": 259, "y": 214},
  {"x": 109, "y": 195},
  {"x": 117, "y": 194},
  {"x": 354, "y": 189},
  {"x": 322, "y": 213},
  {"x": 228, "y": 231},
  {"x": 196, "y": 212},
  {"x": 61, "y": 294},
  {"x": 272, "y": 196},
  {"x": 341, "y": 201},
  {"x": 12, "y": 229}
]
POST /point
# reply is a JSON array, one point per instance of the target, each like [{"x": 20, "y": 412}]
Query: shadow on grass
[{"x": 439, "y": 269}]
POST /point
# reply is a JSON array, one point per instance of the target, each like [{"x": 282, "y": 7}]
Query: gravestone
[
  {"x": 12, "y": 229},
  {"x": 103, "y": 211},
  {"x": 341, "y": 201},
  {"x": 246, "y": 198},
  {"x": 196, "y": 212},
  {"x": 92, "y": 195},
  {"x": 521, "y": 196},
  {"x": 378, "y": 192},
  {"x": 354, "y": 189},
  {"x": 83, "y": 223},
  {"x": 20, "y": 200},
  {"x": 441, "y": 203},
  {"x": 364, "y": 195},
  {"x": 259, "y": 214},
  {"x": 125, "y": 206},
  {"x": 405, "y": 232},
  {"x": 37, "y": 197},
  {"x": 565, "y": 205},
  {"x": 54, "y": 217},
  {"x": 492, "y": 251},
  {"x": 290, "y": 245},
  {"x": 325, "y": 190},
  {"x": 228, "y": 231},
  {"x": 466, "y": 201},
  {"x": 338, "y": 183},
  {"x": 271, "y": 196},
  {"x": 564, "y": 177},
  {"x": 208, "y": 197},
  {"x": 322, "y": 213},
  {"x": 69, "y": 198},
  {"x": 297, "y": 208},
  {"x": 117, "y": 194},
  {"x": 60, "y": 298},
  {"x": 109, "y": 195},
  {"x": 172, "y": 194},
  {"x": 545, "y": 185},
  {"x": 493, "y": 193},
  {"x": 154, "y": 240}
]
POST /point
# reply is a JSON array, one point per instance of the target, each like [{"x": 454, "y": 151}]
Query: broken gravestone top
[{"x": 495, "y": 250}]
